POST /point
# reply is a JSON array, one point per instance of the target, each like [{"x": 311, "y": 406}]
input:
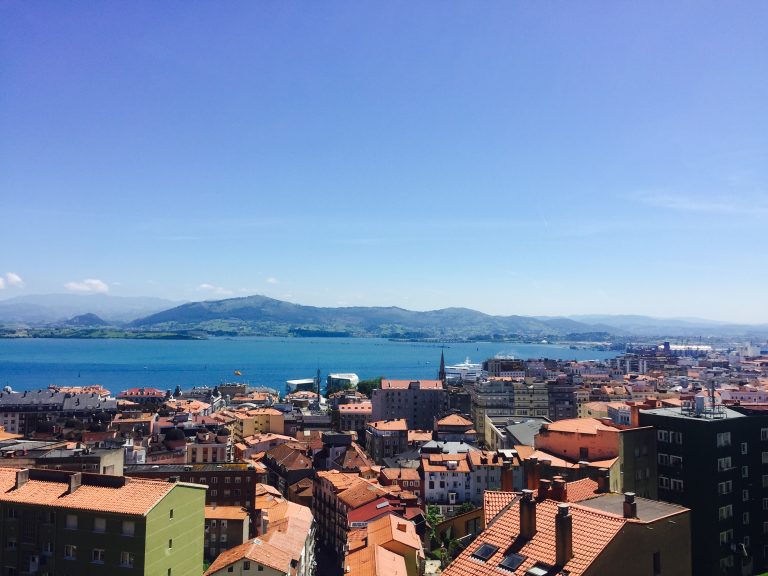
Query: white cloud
[
  {"x": 2, "y": 283},
  {"x": 214, "y": 289},
  {"x": 13, "y": 279},
  {"x": 91, "y": 285},
  {"x": 272, "y": 280}
]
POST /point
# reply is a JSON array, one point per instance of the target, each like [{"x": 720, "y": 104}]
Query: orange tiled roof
[
  {"x": 454, "y": 420},
  {"x": 419, "y": 435},
  {"x": 400, "y": 474},
  {"x": 592, "y": 532},
  {"x": 494, "y": 501},
  {"x": 393, "y": 528},
  {"x": 375, "y": 561},
  {"x": 439, "y": 462},
  {"x": 400, "y": 424},
  {"x": 136, "y": 497},
  {"x": 361, "y": 492},
  {"x": 404, "y": 384},
  {"x": 339, "y": 480},
  {"x": 484, "y": 458},
  {"x": 256, "y": 550},
  {"x": 579, "y": 426},
  {"x": 225, "y": 513}
]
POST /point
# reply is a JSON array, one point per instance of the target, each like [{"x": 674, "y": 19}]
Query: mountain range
[{"x": 261, "y": 315}]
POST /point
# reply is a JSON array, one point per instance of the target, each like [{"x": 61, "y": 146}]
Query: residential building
[
  {"x": 386, "y": 438},
  {"x": 714, "y": 460},
  {"x": 229, "y": 484},
  {"x": 287, "y": 464},
  {"x": 387, "y": 546},
  {"x": 80, "y": 524},
  {"x": 25, "y": 412},
  {"x": 491, "y": 397},
  {"x": 284, "y": 546},
  {"x": 418, "y": 401},
  {"x": 455, "y": 428},
  {"x": 354, "y": 417},
  {"x": 225, "y": 528},
  {"x": 609, "y": 534}
]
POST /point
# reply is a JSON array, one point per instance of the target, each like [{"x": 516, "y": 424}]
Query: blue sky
[{"x": 512, "y": 157}]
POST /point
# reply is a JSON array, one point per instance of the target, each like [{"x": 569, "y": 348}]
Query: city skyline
[{"x": 520, "y": 159}]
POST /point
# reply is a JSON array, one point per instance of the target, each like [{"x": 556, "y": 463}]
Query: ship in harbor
[{"x": 464, "y": 372}]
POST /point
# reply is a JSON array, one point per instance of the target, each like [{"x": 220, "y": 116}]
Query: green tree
[{"x": 367, "y": 386}]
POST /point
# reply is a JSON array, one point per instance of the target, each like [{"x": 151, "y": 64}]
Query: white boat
[{"x": 464, "y": 372}]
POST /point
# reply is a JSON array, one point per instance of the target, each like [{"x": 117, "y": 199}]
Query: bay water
[{"x": 27, "y": 364}]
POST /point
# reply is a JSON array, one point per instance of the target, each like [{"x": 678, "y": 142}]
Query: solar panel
[
  {"x": 485, "y": 551},
  {"x": 512, "y": 562}
]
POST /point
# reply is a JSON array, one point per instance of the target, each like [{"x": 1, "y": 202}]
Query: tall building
[
  {"x": 418, "y": 401},
  {"x": 714, "y": 461},
  {"x": 78, "y": 524}
]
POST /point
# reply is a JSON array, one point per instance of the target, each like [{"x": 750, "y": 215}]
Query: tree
[{"x": 368, "y": 386}]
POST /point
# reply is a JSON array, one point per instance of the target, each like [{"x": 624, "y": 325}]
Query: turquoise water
[{"x": 118, "y": 364}]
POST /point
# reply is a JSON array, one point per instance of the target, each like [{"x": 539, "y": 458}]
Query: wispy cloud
[
  {"x": 272, "y": 280},
  {"x": 2, "y": 283},
  {"x": 13, "y": 279},
  {"x": 219, "y": 290},
  {"x": 89, "y": 285},
  {"x": 730, "y": 204}
]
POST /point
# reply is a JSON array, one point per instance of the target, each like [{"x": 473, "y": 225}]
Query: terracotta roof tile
[
  {"x": 592, "y": 532},
  {"x": 404, "y": 384},
  {"x": 400, "y": 424},
  {"x": 454, "y": 420},
  {"x": 136, "y": 497}
]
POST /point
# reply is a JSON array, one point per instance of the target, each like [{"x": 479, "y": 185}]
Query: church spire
[{"x": 441, "y": 374}]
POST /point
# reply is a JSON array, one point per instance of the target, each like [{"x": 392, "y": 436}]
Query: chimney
[
  {"x": 527, "y": 515},
  {"x": 75, "y": 480},
  {"x": 544, "y": 488},
  {"x": 22, "y": 476},
  {"x": 603, "y": 481},
  {"x": 559, "y": 489},
  {"x": 563, "y": 535},
  {"x": 264, "y": 522},
  {"x": 630, "y": 506},
  {"x": 531, "y": 468}
]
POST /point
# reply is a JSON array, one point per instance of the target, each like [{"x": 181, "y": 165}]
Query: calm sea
[{"x": 27, "y": 364}]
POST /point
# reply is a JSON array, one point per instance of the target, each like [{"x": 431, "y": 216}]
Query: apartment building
[
  {"x": 386, "y": 438},
  {"x": 714, "y": 460},
  {"x": 225, "y": 528},
  {"x": 418, "y": 401},
  {"x": 80, "y": 524}
]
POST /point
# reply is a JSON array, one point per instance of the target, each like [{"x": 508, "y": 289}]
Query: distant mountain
[
  {"x": 85, "y": 321},
  {"x": 38, "y": 309},
  {"x": 263, "y": 315},
  {"x": 635, "y": 325}
]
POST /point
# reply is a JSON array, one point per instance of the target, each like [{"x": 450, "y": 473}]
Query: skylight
[
  {"x": 512, "y": 562},
  {"x": 485, "y": 551}
]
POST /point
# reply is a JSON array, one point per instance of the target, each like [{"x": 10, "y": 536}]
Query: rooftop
[
  {"x": 406, "y": 384},
  {"x": 647, "y": 510}
]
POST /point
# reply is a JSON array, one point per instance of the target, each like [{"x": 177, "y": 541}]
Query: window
[
  {"x": 97, "y": 555},
  {"x": 170, "y": 543},
  {"x": 10, "y": 543},
  {"x": 126, "y": 559},
  {"x": 72, "y": 521},
  {"x": 213, "y": 492},
  {"x": 745, "y": 471},
  {"x": 745, "y": 495},
  {"x": 676, "y": 484},
  {"x": 663, "y": 459},
  {"x": 764, "y": 457},
  {"x": 662, "y": 435},
  {"x": 676, "y": 461},
  {"x": 744, "y": 448},
  {"x": 765, "y": 503},
  {"x": 99, "y": 524},
  {"x": 170, "y": 514},
  {"x": 745, "y": 518},
  {"x": 723, "y": 439},
  {"x": 12, "y": 513},
  {"x": 129, "y": 527},
  {"x": 763, "y": 434},
  {"x": 247, "y": 565},
  {"x": 724, "y": 464},
  {"x": 70, "y": 552},
  {"x": 678, "y": 437},
  {"x": 657, "y": 564},
  {"x": 726, "y": 536},
  {"x": 725, "y": 512},
  {"x": 765, "y": 480}
]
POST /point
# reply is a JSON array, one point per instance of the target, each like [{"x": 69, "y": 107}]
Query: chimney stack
[
  {"x": 75, "y": 480},
  {"x": 264, "y": 522},
  {"x": 22, "y": 476},
  {"x": 559, "y": 489},
  {"x": 527, "y": 515},
  {"x": 563, "y": 535},
  {"x": 630, "y": 506},
  {"x": 531, "y": 468},
  {"x": 603, "y": 481},
  {"x": 544, "y": 488}
]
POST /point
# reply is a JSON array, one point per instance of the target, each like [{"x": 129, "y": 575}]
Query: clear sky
[{"x": 514, "y": 157}]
